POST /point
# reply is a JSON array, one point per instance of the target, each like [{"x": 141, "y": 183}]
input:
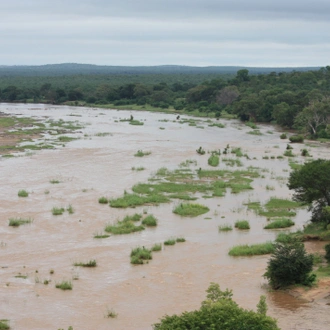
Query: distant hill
[{"x": 69, "y": 69}]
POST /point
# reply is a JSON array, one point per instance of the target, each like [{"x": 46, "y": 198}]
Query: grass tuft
[
  {"x": 190, "y": 209},
  {"x": 149, "y": 221},
  {"x": 242, "y": 224},
  {"x": 64, "y": 285},
  {"x": 16, "y": 222},
  {"x": 57, "y": 210},
  {"x": 156, "y": 247},
  {"x": 103, "y": 200},
  {"x": 180, "y": 240},
  {"x": 225, "y": 227},
  {"x": 251, "y": 250},
  {"x": 90, "y": 263},
  {"x": 139, "y": 255},
  {"x": 170, "y": 241},
  {"x": 141, "y": 153},
  {"x": 280, "y": 223},
  {"x": 23, "y": 193}
]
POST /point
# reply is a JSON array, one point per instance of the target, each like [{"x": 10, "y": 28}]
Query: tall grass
[
  {"x": 141, "y": 153},
  {"x": 132, "y": 200},
  {"x": 242, "y": 224},
  {"x": 16, "y": 222},
  {"x": 64, "y": 285},
  {"x": 139, "y": 255},
  {"x": 280, "y": 223},
  {"x": 90, "y": 263},
  {"x": 149, "y": 221},
  {"x": 251, "y": 250},
  {"x": 23, "y": 193},
  {"x": 190, "y": 209},
  {"x": 225, "y": 227}
]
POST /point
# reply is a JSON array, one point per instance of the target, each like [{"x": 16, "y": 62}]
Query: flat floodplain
[{"x": 96, "y": 161}]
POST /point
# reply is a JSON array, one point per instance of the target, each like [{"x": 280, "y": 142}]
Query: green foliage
[
  {"x": 280, "y": 223},
  {"x": 190, "y": 210},
  {"x": 132, "y": 200},
  {"x": 103, "y": 200},
  {"x": 170, "y": 241},
  {"x": 90, "y": 263},
  {"x": 283, "y": 136},
  {"x": 327, "y": 252},
  {"x": 57, "y": 210},
  {"x": 180, "y": 239},
  {"x": 4, "y": 325},
  {"x": 251, "y": 250},
  {"x": 311, "y": 185},
  {"x": 23, "y": 193},
  {"x": 225, "y": 227},
  {"x": 16, "y": 222},
  {"x": 213, "y": 160},
  {"x": 64, "y": 285},
  {"x": 262, "y": 306},
  {"x": 156, "y": 247},
  {"x": 141, "y": 153},
  {"x": 242, "y": 224},
  {"x": 200, "y": 151},
  {"x": 289, "y": 264},
  {"x": 150, "y": 221},
  {"x": 140, "y": 255},
  {"x": 218, "y": 312},
  {"x": 296, "y": 139}
]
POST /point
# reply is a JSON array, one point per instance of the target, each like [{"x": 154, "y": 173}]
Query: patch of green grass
[
  {"x": 225, "y": 227},
  {"x": 103, "y": 200},
  {"x": 64, "y": 138},
  {"x": 21, "y": 276},
  {"x": 156, "y": 247},
  {"x": 133, "y": 200},
  {"x": 254, "y": 132},
  {"x": 237, "y": 151},
  {"x": 183, "y": 197},
  {"x": 4, "y": 325},
  {"x": 138, "y": 169},
  {"x": 220, "y": 125},
  {"x": 170, "y": 241},
  {"x": 242, "y": 224},
  {"x": 139, "y": 255},
  {"x": 150, "y": 221},
  {"x": 64, "y": 285},
  {"x": 123, "y": 227},
  {"x": 251, "y": 124},
  {"x": 136, "y": 122},
  {"x": 323, "y": 271},
  {"x": 232, "y": 162},
  {"x": 102, "y": 134},
  {"x": 90, "y": 263},
  {"x": 251, "y": 250},
  {"x": 135, "y": 217},
  {"x": 54, "y": 181},
  {"x": 289, "y": 153},
  {"x": 110, "y": 313},
  {"x": 180, "y": 239},
  {"x": 280, "y": 223},
  {"x": 70, "y": 209},
  {"x": 213, "y": 160},
  {"x": 141, "y": 153},
  {"x": 23, "y": 193},
  {"x": 295, "y": 165},
  {"x": 57, "y": 210},
  {"x": 101, "y": 235},
  {"x": 16, "y": 222},
  {"x": 188, "y": 162},
  {"x": 190, "y": 209}
]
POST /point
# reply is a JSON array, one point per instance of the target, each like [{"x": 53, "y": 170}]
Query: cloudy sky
[{"x": 156, "y": 32}]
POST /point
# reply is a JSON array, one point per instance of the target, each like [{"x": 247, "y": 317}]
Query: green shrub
[
  {"x": 103, "y": 200},
  {"x": 141, "y": 153},
  {"x": 170, "y": 241},
  {"x": 64, "y": 285},
  {"x": 90, "y": 263},
  {"x": 280, "y": 223},
  {"x": 242, "y": 224},
  {"x": 219, "y": 312},
  {"x": 23, "y": 193},
  {"x": 225, "y": 227},
  {"x": 16, "y": 222},
  {"x": 283, "y": 136},
  {"x": 327, "y": 252},
  {"x": 149, "y": 221},
  {"x": 156, "y": 247},
  {"x": 213, "y": 160},
  {"x": 140, "y": 255},
  {"x": 305, "y": 153},
  {"x": 289, "y": 264},
  {"x": 288, "y": 153},
  {"x": 180, "y": 240},
  {"x": 4, "y": 325},
  {"x": 57, "y": 210},
  {"x": 296, "y": 139},
  {"x": 251, "y": 250},
  {"x": 190, "y": 210},
  {"x": 200, "y": 151}
]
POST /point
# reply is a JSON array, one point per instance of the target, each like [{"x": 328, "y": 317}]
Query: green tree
[
  {"x": 289, "y": 264},
  {"x": 311, "y": 185},
  {"x": 218, "y": 312}
]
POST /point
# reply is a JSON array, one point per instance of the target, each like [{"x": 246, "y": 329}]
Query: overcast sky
[{"x": 156, "y": 32}]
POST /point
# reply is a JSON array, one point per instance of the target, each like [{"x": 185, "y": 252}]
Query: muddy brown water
[{"x": 177, "y": 277}]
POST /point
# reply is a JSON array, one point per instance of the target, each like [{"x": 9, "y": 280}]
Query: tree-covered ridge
[{"x": 298, "y": 99}]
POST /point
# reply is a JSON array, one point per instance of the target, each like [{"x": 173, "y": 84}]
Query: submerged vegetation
[
  {"x": 190, "y": 210},
  {"x": 251, "y": 250}
]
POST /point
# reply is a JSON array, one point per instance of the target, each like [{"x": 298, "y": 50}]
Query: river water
[{"x": 175, "y": 280}]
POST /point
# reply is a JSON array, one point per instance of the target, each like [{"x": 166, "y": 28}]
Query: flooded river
[{"x": 99, "y": 163}]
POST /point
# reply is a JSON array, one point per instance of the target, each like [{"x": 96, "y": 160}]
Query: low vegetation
[
  {"x": 251, "y": 250},
  {"x": 64, "y": 285},
  {"x": 190, "y": 209},
  {"x": 103, "y": 200},
  {"x": 150, "y": 221},
  {"x": 23, "y": 193},
  {"x": 225, "y": 227},
  {"x": 242, "y": 224},
  {"x": 140, "y": 255},
  {"x": 280, "y": 223},
  {"x": 213, "y": 160},
  {"x": 141, "y": 153},
  {"x": 16, "y": 222},
  {"x": 58, "y": 210},
  {"x": 170, "y": 241},
  {"x": 90, "y": 263}
]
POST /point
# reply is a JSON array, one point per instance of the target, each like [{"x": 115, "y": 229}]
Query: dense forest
[{"x": 292, "y": 98}]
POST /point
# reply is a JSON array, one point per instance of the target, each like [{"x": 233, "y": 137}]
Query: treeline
[{"x": 297, "y": 99}]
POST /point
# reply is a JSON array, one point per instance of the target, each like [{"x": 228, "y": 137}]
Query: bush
[
  {"x": 242, "y": 224},
  {"x": 296, "y": 138},
  {"x": 283, "y": 136},
  {"x": 219, "y": 311},
  {"x": 23, "y": 193},
  {"x": 289, "y": 264},
  {"x": 327, "y": 252},
  {"x": 213, "y": 160}
]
